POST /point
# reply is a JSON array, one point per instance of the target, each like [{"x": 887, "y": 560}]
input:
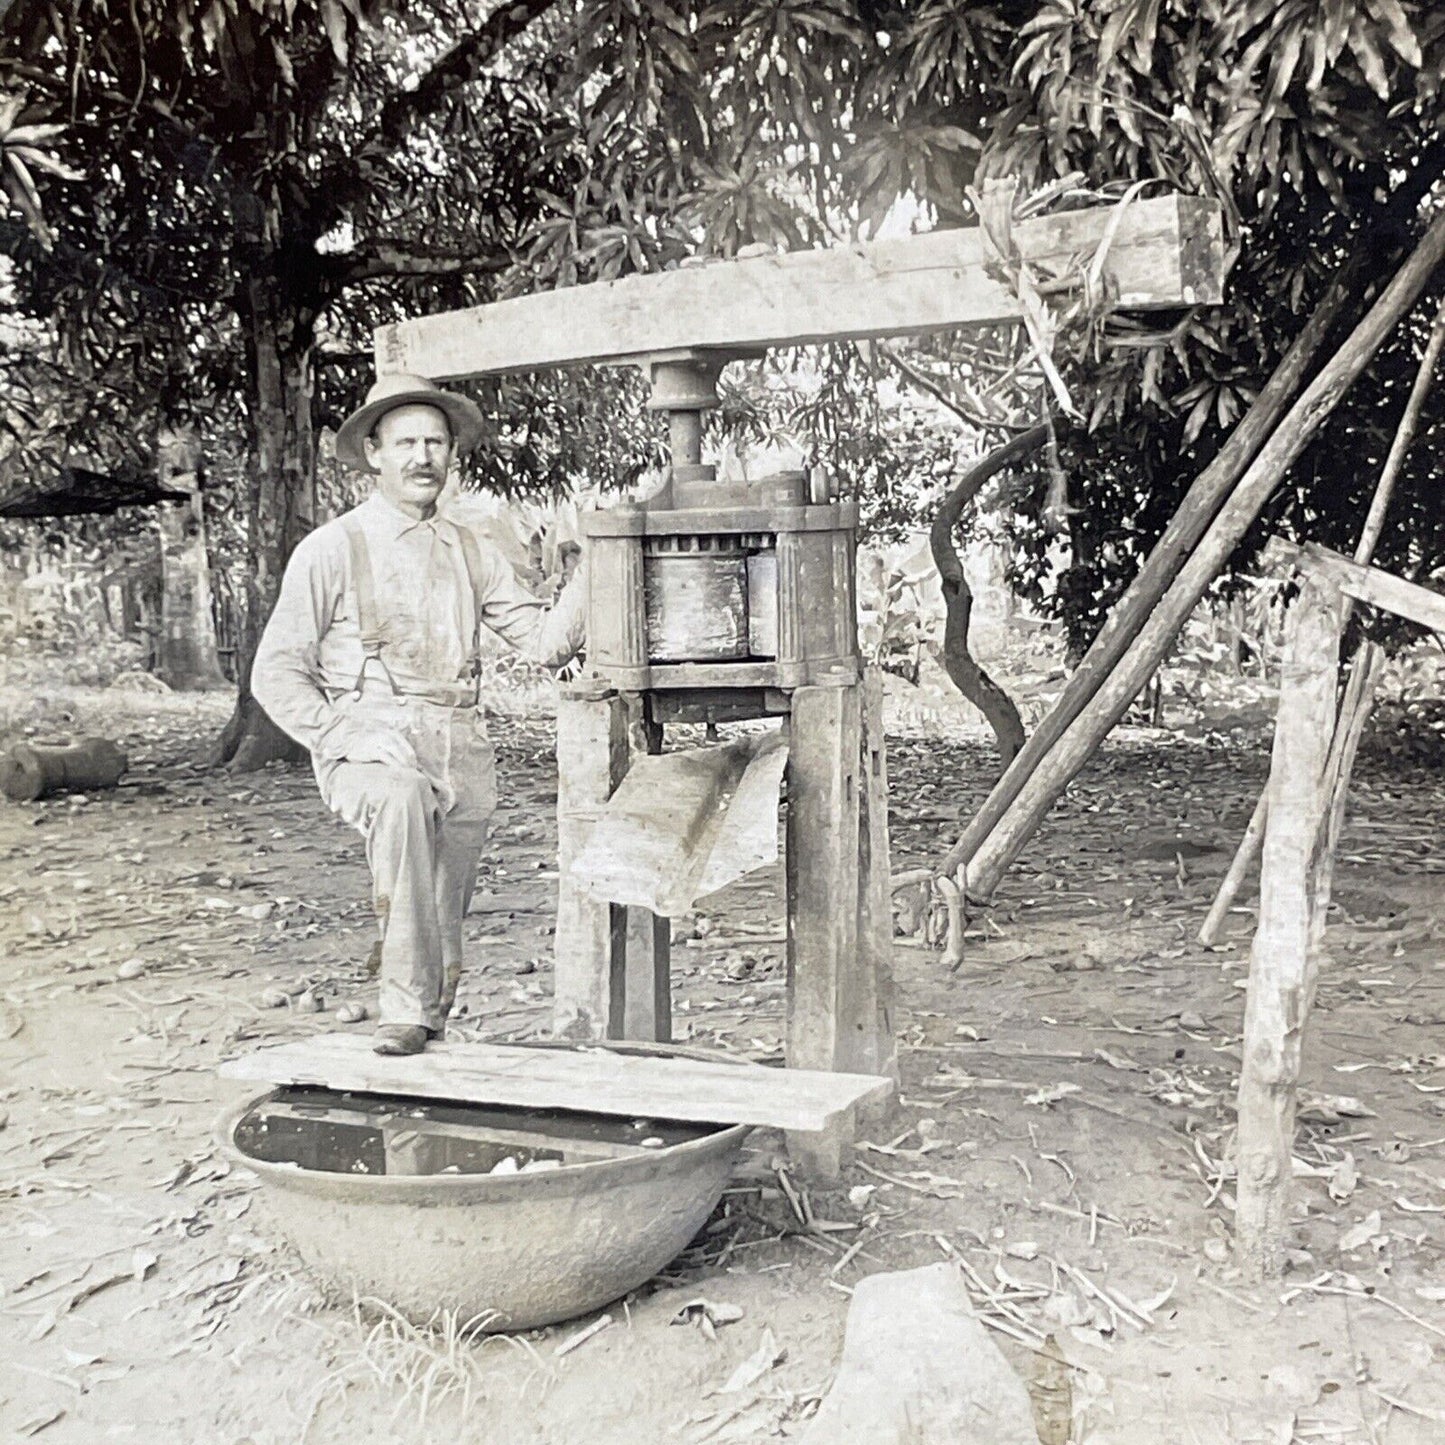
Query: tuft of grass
[{"x": 421, "y": 1366}]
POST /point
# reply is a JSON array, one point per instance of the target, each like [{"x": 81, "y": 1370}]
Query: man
[{"x": 370, "y": 660}]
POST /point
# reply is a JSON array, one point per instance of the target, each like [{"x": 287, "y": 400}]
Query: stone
[{"x": 919, "y": 1368}]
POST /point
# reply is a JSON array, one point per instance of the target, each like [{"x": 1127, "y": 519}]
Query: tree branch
[
  {"x": 961, "y": 409},
  {"x": 342, "y": 185},
  {"x": 967, "y": 676},
  {"x": 391, "y": 258}
]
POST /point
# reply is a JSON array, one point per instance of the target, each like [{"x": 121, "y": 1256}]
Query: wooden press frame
[{"x": 613, "y": 963}]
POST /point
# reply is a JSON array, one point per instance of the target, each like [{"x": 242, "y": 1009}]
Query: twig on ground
[{"x": 1354, "y": 1294}]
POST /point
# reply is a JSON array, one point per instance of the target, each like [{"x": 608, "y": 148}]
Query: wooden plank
[
  {"x": 1284, "y": 959},
  {"x": 1165, "y": 252},
  {"x": 594, "y": 1081},
  {"x": 685, "y": 824},
  {"x": 1380, "y": 588},
  {"x": 590, "y": 943}
]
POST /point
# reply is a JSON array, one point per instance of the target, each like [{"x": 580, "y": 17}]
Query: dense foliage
[{"x": 261, "y": 181}]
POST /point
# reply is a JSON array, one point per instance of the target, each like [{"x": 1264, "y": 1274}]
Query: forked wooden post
[{"x": 1284, "y": 960}]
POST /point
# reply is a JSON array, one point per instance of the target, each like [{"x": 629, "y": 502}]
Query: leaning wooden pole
[
  {"x": 1078, "y": 743},
  {"x": 1190, "y": 520},
  {"x": 1249, "y": 845},
  {"x": 1284, "y": 961}
]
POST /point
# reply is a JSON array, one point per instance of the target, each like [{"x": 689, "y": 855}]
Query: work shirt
[{"x": 311, "y": 656}]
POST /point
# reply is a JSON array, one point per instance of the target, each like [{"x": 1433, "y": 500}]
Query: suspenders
[{"x": 368, "y": 614}]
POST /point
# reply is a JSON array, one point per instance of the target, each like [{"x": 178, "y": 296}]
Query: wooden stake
[
  {"x": 1359, "y": 699},
  {"x": 1285, "y": 956},
  {"x": 824, "y": 738},
  {"x": 1239, "y": 868}
]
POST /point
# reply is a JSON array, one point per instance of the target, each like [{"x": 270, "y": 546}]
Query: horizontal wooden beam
[
  {"x": 591, "y": 1081},
  {"x": 1164, "y": 252},
  {"x": 1380, "y": 589}
]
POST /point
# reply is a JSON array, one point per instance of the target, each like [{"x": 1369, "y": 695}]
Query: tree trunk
[
  {"x": 1148, "y": 647},
  {"x": 1195, "y": 512},
  {"x": 281, "y": 491},
  {"x": 188, "y": 658},
  {"x": 967, "y": 676}
]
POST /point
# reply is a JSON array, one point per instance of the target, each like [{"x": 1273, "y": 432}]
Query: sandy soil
[{"x": 1064, "y": 1128}]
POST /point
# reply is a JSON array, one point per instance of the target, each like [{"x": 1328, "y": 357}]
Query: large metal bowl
[{"x": 519, "y": 1250}]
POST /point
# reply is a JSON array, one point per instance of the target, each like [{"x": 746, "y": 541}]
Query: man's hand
[
  {"x": 382, "y": 747},
  {"x": 360, "y": 740}
]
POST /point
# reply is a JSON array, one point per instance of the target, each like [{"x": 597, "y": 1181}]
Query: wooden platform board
[{"x": 591, "y": 1080}]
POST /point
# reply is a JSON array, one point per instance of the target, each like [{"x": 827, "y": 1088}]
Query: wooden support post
[
  {"x": 591, "y": 939},
  {"x": 878, "y": 1051},
  {"x": 838, "y": 899},
  {"x": 647, "y": 986},
  {"x": 1284, "y": 960}
]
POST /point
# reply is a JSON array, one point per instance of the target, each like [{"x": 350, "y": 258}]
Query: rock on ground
[{"x": 919, "y": 1369}]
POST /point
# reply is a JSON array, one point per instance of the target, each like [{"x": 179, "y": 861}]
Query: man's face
[{"x": 411, "y": 450}]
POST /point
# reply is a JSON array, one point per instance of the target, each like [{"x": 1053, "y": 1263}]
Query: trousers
[{"x": 423, "y": 857}]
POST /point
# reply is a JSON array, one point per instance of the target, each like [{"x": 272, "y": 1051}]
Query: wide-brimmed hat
[{"x": 401, "y": 388}]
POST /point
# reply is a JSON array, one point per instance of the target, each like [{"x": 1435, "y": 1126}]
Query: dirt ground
[{"x": 1066, "y": 1112}]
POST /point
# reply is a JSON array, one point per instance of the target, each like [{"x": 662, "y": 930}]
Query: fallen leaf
[
  {"x": 706, "y": 1315},
  {"x": 1359, "y": 1235},
  {"x": 1052, "y": 1094},
  {"x": 1155, "y": 1301},
  {"x": 1331, "y": 1108},
  {"x": 751, "y": 1370},
  {"x": 36, "y": 1423},
  {"x": 1117, "y": 1061},
  {"x": 1343, "y": 1178}
]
